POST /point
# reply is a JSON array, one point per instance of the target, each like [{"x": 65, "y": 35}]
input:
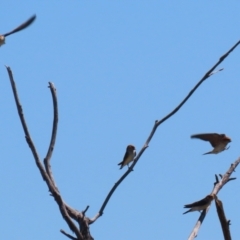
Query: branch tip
[
  {"x": 230, "y": 179},
  {"x": 84, "y": 211},
  {"x": 67, "y": 235},
  {"x": 217, "y": 180}
]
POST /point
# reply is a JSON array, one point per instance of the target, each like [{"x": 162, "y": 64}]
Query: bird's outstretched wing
[
  {"x": 200, "y": 203},
  {"x": 213, "y": 138},
  {"x": 22, "y": 26}
]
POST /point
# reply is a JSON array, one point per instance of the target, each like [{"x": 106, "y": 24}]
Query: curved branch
[
  {"x": 217, "y": 187},
  {"x": 157, "y": 123},
  {"x": 54, "y": 134}
]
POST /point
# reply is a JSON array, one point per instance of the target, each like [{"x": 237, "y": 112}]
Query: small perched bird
[
  {"x": 218, "y": 141},
  {"x": 129, "y": 156},
  {"x": 200, "y": 205},
  {"x": 19, "y": 28}
]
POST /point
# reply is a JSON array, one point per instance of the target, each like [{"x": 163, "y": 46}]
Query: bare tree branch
[
  {"x": 217, "y": 187},
  {"x": 54, "y": 135},
  {"x": 84, "y": 211},
  {"x": 224, "y": 222},
  {"x": 68, "y": 235},
  {"x": 24, "y": 125},
  {"x": 217, "y": 180},
  {"x": 157, "y": 123},
  {"x": 55, "y": 193},
  {"x": 66, "y": 211}
]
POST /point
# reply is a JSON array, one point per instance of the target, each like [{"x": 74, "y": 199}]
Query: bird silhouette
[
  {"x": 218, "y": 141},
  {"x": 129, "y": 156},
  {"x": 19, "y": 28},
  {"x": 199, "y": 205}
]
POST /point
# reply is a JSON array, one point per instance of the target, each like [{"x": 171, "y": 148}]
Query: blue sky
[{"x": 118, "y": 66}]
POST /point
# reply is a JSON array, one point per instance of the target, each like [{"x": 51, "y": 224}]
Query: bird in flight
[
  {"x": 129, "y": 156},
  {"x": 199, "y": 205},
  {"x": 19, "y": 28},
  {"x": 218, "y": 141}
]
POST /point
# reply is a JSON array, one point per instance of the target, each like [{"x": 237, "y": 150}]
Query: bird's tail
[
  {"x": 121, "y": 163},
  {"x": 187, "y": 211},
  {"x": 208, "y": 152}
]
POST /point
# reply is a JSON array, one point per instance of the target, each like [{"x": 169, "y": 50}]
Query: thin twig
[
  {"x": 85, "y": 210},
  {"x": 68, "y": 235},
  {"x": 230, "y": 179},
  {"x": 24, "y": 125},
  {"x": 217, "y": 180},
  {"x": 156, "y": 124},
  {"x": 54, "y": 134}
]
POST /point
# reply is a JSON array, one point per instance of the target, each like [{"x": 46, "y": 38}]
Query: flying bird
[
  {"x": 199, "y": 205},
  {"x": 129, "y": 156},
  {"x": 19, "y": 28},
  {"x": 218, "y": 141}
]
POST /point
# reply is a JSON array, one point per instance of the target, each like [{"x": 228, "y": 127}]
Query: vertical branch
[
  {"x": 222, "y": 218},
  {"x": 54, "y": 134},
  {"x": 23, "y": 122}
]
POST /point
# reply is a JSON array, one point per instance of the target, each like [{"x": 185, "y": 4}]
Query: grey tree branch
[
  {"x": 156, "y": 124},
  {"x": 217, "y": 187},
  {"x": 66, "y": 211},
  {"x": 24, "y": 125},
  {"x": 67, "y": 235},
  {"x": 55, "y": 193},
  {"x": 54, "y": 134},
  {"x": 222, "y": 218}
]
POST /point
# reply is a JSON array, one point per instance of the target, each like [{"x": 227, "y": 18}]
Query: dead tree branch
[
  {"x": 222, "y": 218},
  {"x": 47, "y": 176},
  {"x": 156, "y": 124},
  {"x": 54, "y": 134},
  {"x": 82, "y": 233},
  {"x": 217, "y": 187}
]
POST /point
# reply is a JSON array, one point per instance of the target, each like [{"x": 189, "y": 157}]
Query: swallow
[
  {"x": 19, "y": 28},
  {"x": 129, "y": 156},
  {"x": 218, "y": 141},
  {"x": 199, "y": 205}
]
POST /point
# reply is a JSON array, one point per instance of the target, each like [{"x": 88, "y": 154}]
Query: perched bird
[
  {"x": 218, "y": 141},
  {"x": 19, "y": 28},
  {"x": 129, "y": 156},
  {"x": 199, "y": 205}
]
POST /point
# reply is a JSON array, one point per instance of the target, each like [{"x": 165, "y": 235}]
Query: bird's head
[
  {"x": 227, "y": 139},
  {"x": 130, "y": 148},
  {"x": 2, "y": 40}
]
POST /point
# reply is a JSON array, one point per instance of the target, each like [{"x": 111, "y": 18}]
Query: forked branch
[
  {"x": 67, "y": 212},
  {"x": 47, "y": 176},
  {"x": 218, "y": 185}
]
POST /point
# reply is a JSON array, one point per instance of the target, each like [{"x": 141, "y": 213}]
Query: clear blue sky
[{"x": 118, "y": 66}]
